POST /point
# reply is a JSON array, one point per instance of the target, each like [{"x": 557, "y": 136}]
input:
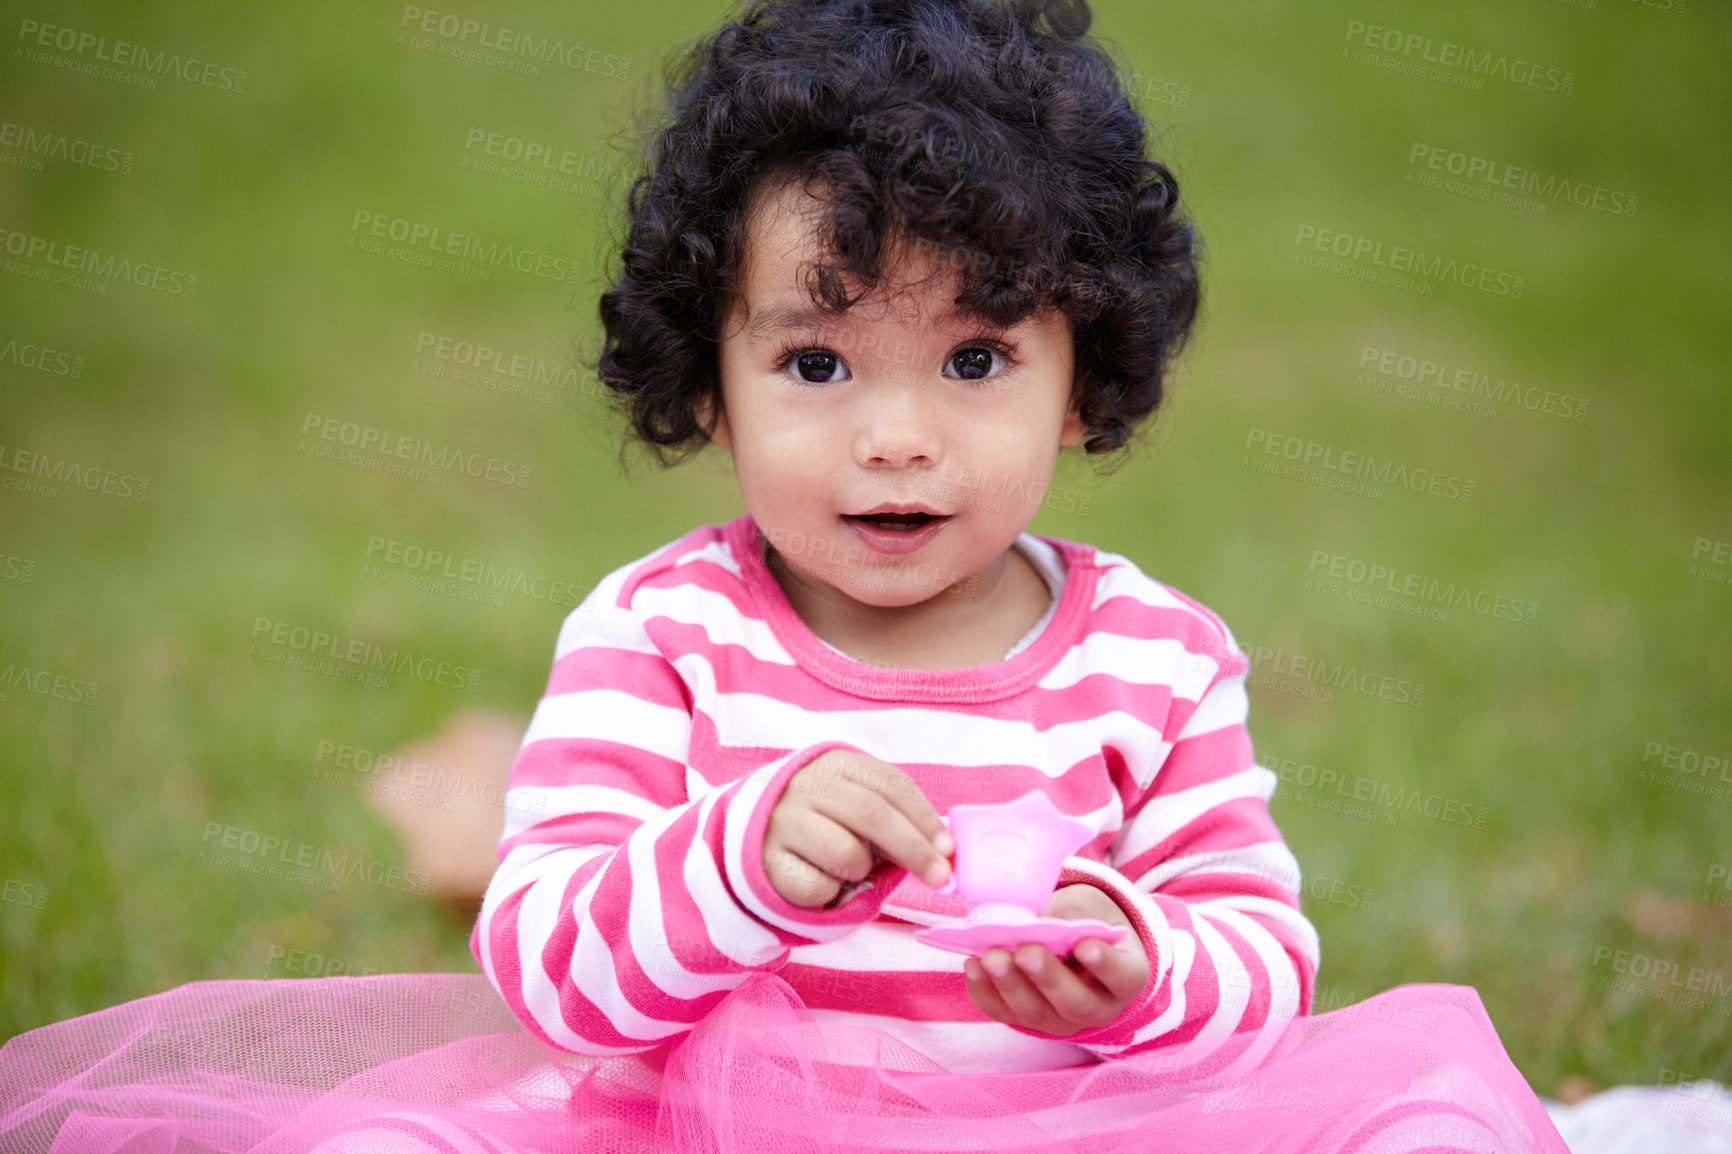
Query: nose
[{"x": 902, "y": 427}]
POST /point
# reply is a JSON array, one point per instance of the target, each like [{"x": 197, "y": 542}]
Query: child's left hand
[{"x": 1038, "y": 991}]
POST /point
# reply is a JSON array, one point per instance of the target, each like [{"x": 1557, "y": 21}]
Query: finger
[
  {"x": 893, "y": 784},
  {"x": 985, "y": 995},
  {"x": 1080, "y": 902},
  {"x": 1026, "y": 1002},
  {"x": 917, "y": 808},
  {"x": 871, "y": 816},
  {"x": 826, "y": 844},
  {"x": 1078, "y": 1001},
  {"x": 1123, "y": 971},
  {"x": 798, "y": 880}
]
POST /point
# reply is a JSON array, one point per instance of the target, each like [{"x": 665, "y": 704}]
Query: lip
[
  {"x": 897, "y": 543},
  {"x": 890, "y": 508}
]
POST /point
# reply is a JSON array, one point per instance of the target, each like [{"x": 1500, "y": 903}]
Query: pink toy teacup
[{"x": 1008, "y": 859}]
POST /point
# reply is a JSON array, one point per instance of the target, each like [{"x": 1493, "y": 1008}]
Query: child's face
[{"x": 893, "y": 406}]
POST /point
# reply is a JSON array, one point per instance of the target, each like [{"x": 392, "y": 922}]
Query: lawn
[{"x": 1493, "y": 668}]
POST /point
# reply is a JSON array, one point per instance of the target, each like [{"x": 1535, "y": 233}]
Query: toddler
[{"x": 838, "y": 271}]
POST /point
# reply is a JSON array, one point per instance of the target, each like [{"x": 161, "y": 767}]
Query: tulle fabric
[{"x": 435, "y": 1062}]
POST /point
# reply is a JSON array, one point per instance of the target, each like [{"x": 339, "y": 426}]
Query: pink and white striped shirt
[{"x": 631, "y": 895}]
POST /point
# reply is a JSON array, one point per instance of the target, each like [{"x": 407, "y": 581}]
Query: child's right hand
[{"x": 838, "y": 809}]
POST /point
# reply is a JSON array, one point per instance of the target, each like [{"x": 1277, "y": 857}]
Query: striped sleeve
[
  {"x": 1203, "y": 874},
  {"x": 630, "y": 895}
]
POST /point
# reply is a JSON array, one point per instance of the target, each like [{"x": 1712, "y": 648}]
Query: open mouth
[
  {"x": 897, "y": 530},
  {"x": 893, "y": 522}
]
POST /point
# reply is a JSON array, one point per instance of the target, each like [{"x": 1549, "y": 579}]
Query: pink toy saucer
[
  {"x": 1008, "y": 858},
  {"x": 1013, "y": 926}
]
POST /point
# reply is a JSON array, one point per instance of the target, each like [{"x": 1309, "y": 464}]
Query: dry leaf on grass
[
  {"x": 446, "y": 804},
  {"x": 1664, "y": 919},
  {"x": 1573, "y": 1088}
]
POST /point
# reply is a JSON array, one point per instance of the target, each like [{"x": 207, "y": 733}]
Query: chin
[
  {"x": 902, "y": 581},
  {"x": 889, "y": 593}
]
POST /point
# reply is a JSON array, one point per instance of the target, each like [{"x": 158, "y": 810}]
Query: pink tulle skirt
[{"x": 435, "y": 1062}]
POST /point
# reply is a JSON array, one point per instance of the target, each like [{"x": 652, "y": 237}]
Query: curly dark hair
[{"x": 993, "y": 130}]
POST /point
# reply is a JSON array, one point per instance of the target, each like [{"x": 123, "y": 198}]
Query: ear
[
  {"x": 713, "y": 419},
  {"x": 1071, "y": 432}
]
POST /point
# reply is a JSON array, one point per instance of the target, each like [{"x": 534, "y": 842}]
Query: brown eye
[
  {"x": 817, "y": 367},
  {"x": 974, "y": 363}
]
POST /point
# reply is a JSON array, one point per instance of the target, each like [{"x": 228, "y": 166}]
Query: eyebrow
[{"x": 782, "y": 318}]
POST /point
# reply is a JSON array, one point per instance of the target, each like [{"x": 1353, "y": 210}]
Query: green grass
[{"x": 1541, "y": 728}]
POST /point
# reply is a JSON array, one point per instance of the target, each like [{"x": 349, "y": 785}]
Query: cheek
[
  {"x": 1014, "y": 440},
  {"x": 784, "y": 458}
]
